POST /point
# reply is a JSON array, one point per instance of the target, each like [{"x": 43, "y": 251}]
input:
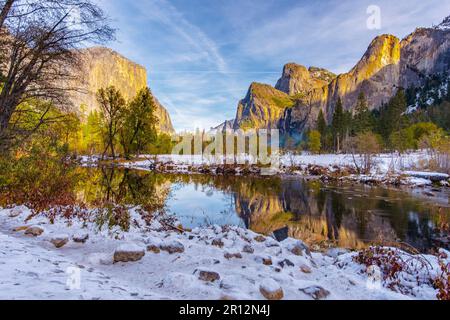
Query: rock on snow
[
  {"x": 30, "y": 269},
  {"x": 271, "y": 290}
]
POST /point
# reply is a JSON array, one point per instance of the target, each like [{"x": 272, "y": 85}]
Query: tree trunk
[
  {"x": 338, "y": 144},
  {"x": 5, "y": 11},
  {"x": 112, "y": 149}
]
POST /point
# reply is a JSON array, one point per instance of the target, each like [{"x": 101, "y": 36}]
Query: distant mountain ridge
[
  {"x": 388, "y": 64},
  {"x": 101, "y": 67}
]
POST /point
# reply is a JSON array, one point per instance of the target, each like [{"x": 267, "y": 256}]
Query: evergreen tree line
[{"x": 393, "y": 126}]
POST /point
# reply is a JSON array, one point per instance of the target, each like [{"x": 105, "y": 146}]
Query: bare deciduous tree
[
  {"x": 38, "y": 52},
  {"x": 365, "y": 145}
]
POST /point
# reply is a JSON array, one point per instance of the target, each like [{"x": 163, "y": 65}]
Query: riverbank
[
  {"x": 387, "y": 169},
  {"x": 156, "y": 259}
]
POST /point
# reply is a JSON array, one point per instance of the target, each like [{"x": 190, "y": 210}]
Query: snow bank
[
  {"x": 383, "y": 162},
  {"x": 31, "y": 268},
  {"x": 433, "y": 176},
  {"x": 387, "y": 168}
]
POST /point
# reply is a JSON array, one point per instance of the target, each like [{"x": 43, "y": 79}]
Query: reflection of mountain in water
[
  {"x": 349, "y": 217},
  {"x": 313, "y": 212}
]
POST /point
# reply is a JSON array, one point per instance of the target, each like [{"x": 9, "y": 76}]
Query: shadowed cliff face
[
  {"x": 388, "y": 64},
  {"x": 424, "y": 52},
  {"x": 102, "y": 67}
]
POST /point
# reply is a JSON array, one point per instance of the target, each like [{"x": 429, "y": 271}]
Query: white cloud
[
  {"x": 333, "y": 34},
  {"x": 201, "y": 60},
  {"x": 164, "y": 12}
]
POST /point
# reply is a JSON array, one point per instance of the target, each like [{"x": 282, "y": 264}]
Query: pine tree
[
  {"x": 347, "y": 124},
  {"x": 321, "y": 124},
  {"x": 362, "y": 119},
  {"x": 392, "y": 117},
  {"x": 338, "y": 125}
]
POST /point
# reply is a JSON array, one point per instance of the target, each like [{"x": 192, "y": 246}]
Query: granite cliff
[
  {"x": 388, "y": 64},
  {"x": 102, "y": 67}
]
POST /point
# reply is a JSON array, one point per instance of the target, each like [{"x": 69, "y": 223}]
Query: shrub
[
  {"x": 443, "y": 155},
  {"x": 414, "y": 136},
  {"x": 367, "y": 145},
  {"x": 442, "y": 283},
  {"x": 37, "y": 182},
  {"x": 314, "y": 141},
  {"x": 400, "y": 271}
]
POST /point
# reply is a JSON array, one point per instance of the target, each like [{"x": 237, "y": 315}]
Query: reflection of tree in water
[
  {"x": 314, "y": 212},
  {"x": 125, "y": 187}
]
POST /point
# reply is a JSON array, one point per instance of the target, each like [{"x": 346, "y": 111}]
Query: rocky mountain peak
[
  {"x": 445, "y": 24},
  {"x": 262, "y": 107},
  {"x": 299, "y": 80},
  {"x": 321, "y": 74},
  {"x": 267, "y": 95},
  {"x": 425, "y": 52},
  {"x": 383, "y": 51},
  {"x": 223, "y": 127},
  {"x": 387, "y": 65}
]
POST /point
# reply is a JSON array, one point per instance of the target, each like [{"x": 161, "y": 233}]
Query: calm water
[{"x": 348, "y": 216}]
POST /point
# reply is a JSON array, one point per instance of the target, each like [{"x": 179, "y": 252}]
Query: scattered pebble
[
  {"x": 260, "y": 238},
  {"x": 153, "y": 245},
  {"x": 248, "y": 249},
  {"x": 286, "y": 263},
  {"x": 298, "y": 248},
  {"x": 305, "y": 269},
  {"x": 218, "y": 242},
  {"x": 19, "y": 229},
  {"x": 14, "y": 213},
  {"x": 232, "y": 254}
]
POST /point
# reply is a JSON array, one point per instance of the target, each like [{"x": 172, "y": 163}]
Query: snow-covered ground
[
  {"x": 383, "y": 163},
  {"x": 387, "y": 168},
  {"x": 207, "y": 263}
]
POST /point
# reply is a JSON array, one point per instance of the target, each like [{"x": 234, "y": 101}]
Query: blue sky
[{"x": 202, "y": 55}]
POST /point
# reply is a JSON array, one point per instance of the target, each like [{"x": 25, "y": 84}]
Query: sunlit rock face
[
  {"x": 388, "y": 64},
  {"x": 376, "y": 74},
  {"x": 164, "y": 121},
  {"x": 297, "y": 80},
  {"x": 262, "y": 108},
  {"x": 102, "y": 67}
]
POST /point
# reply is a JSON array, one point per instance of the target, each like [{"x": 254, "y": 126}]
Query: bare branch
[{"x": 38, "y": 50}]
